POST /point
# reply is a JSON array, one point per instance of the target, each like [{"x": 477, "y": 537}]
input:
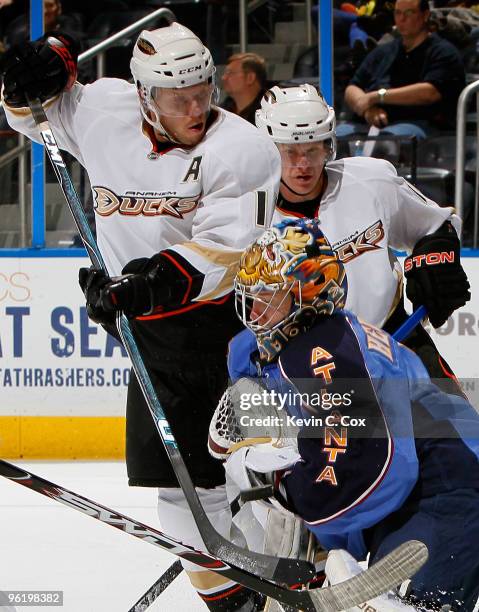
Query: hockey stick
[
  {"x": 384, "y": 575},
  {"x": 157, "y": 589},
  {"x": 283, "y": 570},
  {"x": 409, "y": 324}
]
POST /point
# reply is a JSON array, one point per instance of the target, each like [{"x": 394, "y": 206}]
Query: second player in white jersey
[{"x": 367, "y": 210}]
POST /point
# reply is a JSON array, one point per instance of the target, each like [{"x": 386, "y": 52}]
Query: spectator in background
[
  {"x": 18, "y": 30},
  {"x": 244, "y": 80},
  {"x": 409, "y": 86},
  {"x": 52, "y": 9}
]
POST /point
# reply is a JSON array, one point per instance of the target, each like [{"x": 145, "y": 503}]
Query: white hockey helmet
[
  {"x": 296, "y": 115},
  {"x": 171, "y": 57}
]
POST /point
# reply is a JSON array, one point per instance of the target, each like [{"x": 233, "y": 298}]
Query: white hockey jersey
[
  {"x": 366, "y": 211},
  {"x": 206, "y": 202}
]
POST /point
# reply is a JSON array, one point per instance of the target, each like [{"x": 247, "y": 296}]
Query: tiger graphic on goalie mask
[{"x": 286, "y": 278}]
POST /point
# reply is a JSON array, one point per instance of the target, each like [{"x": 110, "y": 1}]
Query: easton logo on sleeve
[
  {"x": 146, "y": 204},
  {"x": 428, "y": 259}
]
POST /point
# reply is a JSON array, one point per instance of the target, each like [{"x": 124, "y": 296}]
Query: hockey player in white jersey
[
  {"x": 367, "y": 210},
  {"x": 180, "y": 187}
]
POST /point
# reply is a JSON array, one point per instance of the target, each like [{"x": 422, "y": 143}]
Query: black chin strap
[{"x": 301, "y": 195}]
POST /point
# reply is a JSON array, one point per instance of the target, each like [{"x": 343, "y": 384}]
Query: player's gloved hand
[
  {"x": 130, "y": 293},
  {"x": 145, "y": 285},
  {"x": 39, "y": 69},
  {"x": 92, "y": 282},
  {"x": 435, "y": 277}
]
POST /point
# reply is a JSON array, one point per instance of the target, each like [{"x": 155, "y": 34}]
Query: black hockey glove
[
  {"x": 146, "y": 284},
  {"x": 435, "y": 277},
  {"x": 92, "y": 282},
  {"x": 40, "y": 69}
]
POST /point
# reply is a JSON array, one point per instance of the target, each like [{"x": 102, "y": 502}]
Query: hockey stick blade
[
  {"x": 388, "y": 573},
  {"x": 379, "y": 578},
  {"x": 158, "y": 587},
  {"x": 282, "y": 570}
]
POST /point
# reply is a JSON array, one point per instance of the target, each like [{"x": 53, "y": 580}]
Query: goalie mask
[
  {"x": 287, "y": 278},
  {"x": 173, "y": 72}
]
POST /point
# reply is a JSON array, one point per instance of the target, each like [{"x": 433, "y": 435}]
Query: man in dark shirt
[
  {"x": 244, "y": 80},
  {"x": 409, "y": 86}
]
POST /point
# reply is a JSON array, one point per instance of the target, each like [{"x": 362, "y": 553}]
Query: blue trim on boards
[
  {"x": 325, "y": 49},
  {"x": 38, "y": 153},
  {"x": 38, "y": 253}
]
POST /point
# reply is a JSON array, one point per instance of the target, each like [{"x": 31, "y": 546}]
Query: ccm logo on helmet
[
  {"x": 431, "y": 259},
  {"x": 192, "y": 69}
]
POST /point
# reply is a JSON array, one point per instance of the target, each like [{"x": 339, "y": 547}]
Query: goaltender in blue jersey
[{"x": 383, "y": 456}]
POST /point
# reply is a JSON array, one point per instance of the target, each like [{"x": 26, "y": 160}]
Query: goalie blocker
[{"x": 410, "y": 470}]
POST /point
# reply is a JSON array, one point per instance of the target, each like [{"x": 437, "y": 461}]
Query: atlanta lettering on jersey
[{"x": 107, "y": 203}]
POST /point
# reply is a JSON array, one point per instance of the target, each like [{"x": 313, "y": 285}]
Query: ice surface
[{"x": 47, "y": 546}]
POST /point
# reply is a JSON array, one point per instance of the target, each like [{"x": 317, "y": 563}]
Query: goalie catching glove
[
  {"x": 435, "y": 277},
  {"x": 255, "y": 458}
]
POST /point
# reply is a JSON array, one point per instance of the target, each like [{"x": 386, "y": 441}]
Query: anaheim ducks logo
[
  {"x": 361, "y": 243},
  {"x": 146, "y": 47},
  {"x": 107, "y": 203}
]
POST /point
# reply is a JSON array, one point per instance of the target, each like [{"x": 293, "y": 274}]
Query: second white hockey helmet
[
  {"x": 296, "y": 115},
  {"x": 172, "y": 57}
]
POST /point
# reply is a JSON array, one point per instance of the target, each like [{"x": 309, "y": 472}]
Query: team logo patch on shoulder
[{"x": 147, "y": 204}]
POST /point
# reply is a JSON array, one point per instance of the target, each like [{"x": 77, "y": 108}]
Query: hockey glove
[
  {"x": 39, "y": 69},
  {"x": 130, "y": 293},
  {"x": 92, "y": 282},
  {"x": 146, "y": 285},
  {"x": 435, "y": 277}
]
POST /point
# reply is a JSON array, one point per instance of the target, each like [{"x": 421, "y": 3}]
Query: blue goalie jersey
[{"x": 374, "y": 431}]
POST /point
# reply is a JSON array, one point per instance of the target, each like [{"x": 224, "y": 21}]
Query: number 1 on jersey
[{"x": 261, "y": 208}]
